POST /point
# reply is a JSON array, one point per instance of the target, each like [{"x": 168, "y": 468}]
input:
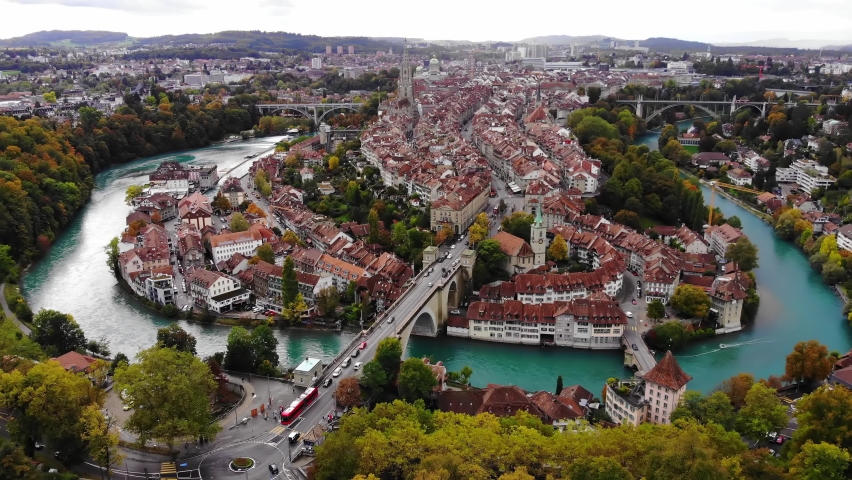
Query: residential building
[
  {"x": 625, "y": 402},
  {"x": 719, "y": 237},
  {"x": 316, "y": 63},
  {"x": 76, "y": 362},
  {"x": 835, "y": 127},
  {"x": 195, "y": 209},
  {"x": 216, "y": 291},
  {"x": 691, "y": 241},
  {"x": 740, "y": 177},
  {"x": 727, "y": 296},
  {"x": 665, "y": 385},
  {"x": 222, "y": 247},
  {"x": 160, "y": 289},
  {"x": 844, "y": 237},
  {"x": 233, "y": 190},
  {"x": 458, "y": 208},
  {"x": 808, "y": 174}
]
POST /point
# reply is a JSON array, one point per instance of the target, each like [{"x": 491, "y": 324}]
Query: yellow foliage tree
[
  {"x": 558, "y": 250},
  {"x": 333, "y": 163},
  {"x": 291, "y": 238},
  {"x": 255, "y": 210}
]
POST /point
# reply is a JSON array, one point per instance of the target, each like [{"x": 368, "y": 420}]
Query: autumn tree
[
  {"x": 348, "y": 393},
  {"x": 327, "y": 301},
  {"x": 479, "y": 230},
  {"x": 265, "y": 253},
  {"x": 221, "y": 203},
  {"x": 762, "y": 413},
  {"x": 14, "y": 463},
  {"x": 820, "y": 461},
  {"x": 744, "y": 253},
  {"x": 239, "y": 223},
  {"x": 255, "y": 210},
  {"x": 824, "y": 416},
  {"x": 558, "y": 250},
  {"x": 291, "y": 238},
  {"x": 736, "y": 388},
  {"x": 101, "y": 435},
  {"x": 50, "y": 97},
  {"x": 442, "y": 235},
  {"x": 132, "y": 192},
  {"x": 333, "y": 163},
  {"x": 809, "y": 362},
  {"x": 691, "y": 301},
  {"x": 171, "y": 391}
]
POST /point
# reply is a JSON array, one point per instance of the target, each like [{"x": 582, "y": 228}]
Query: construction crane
[{"x": 714, "y": 185}]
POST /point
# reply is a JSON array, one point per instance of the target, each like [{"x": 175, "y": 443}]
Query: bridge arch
[
  {"x": 340, "y": 107},
  {"x": 684, "y": 104},
  {"x": 453, "y": 295},
  {"x": 746, "y": 105},
  {"x": 284, "y": 107},
  {"x": 425, "y": 324}
]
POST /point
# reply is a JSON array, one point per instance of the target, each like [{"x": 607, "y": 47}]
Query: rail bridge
[
  {"x": 649, "y": 109},
  {"x": 315, "y": 111}
]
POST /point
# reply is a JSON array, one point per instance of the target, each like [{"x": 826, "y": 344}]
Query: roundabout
[
  {"x": 244, "y": 459},
  {"x": 241, "y": 464}
]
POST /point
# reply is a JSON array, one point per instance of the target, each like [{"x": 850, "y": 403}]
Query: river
[
  {"x": 74, "y": 278},
  {"x": 795, "y": 304}
]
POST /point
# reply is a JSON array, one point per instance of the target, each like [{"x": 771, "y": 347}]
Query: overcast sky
[{"x": 726, "y": 20}]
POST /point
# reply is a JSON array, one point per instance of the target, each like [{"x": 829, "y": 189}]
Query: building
[
  {"x": 316, "y": 63},
  {"x": 233, "y": 190},
  {"x": 340, "y": 49},
  {"x": 520, "y": 256},
  {"x": 727, "y": 296},
  {"x": 160, "y": 289},
  {"x": 625, "y": 402},
  {"x": 195, "y": 210},
  {"x": 808, "y": 174},
  {"x": 307, "y": 372},
  {"x": 351, "y": 50},
  {"x": 665, "y": 385},
  {"x": 328, "y": 49},
  {"x": 844, "y": 237},
  {"x": 170, "y": 177},
  {"x": 458, "y": 207},
  {"x": 215, "y": 291},
  {"x": 740, "y": 177},
  {"x": 719, "y": 237},
  {"x": 222, "y": 247},
  {"x": 835, "y": 127}
]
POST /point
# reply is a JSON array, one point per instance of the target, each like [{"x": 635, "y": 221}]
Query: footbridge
[
  {"x": 315, "y": 111},
  {"x": 649, "y": 109}
]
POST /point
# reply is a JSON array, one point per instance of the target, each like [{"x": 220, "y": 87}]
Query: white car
[
  {"x": 357, "y": 366},
  {"x": 337, "y": 371},
  {"x": 452, "y": 246},
  {"x": 629, "y": 314},
  {"x": 429, "y": 284}
]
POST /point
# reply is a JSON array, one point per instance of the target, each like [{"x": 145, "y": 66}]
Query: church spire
[
  {"x": 406, "y": 89},
  {"x": 538, "y": 220}
]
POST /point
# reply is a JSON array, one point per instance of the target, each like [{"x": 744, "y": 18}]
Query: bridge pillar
[
  {"x": 639, "y": 106},
  {"x": 733, "y": 105},
  {"x": 763, "y": 110}
]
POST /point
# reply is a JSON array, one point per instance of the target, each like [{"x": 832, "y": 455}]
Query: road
[{"x": 8, "y": 312}]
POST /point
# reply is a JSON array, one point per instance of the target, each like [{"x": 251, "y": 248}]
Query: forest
[{"x": 47, "y": 168}]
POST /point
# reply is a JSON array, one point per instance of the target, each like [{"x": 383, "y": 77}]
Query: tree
[
  {"x": 820, "y": 461},
  {"x": 8, "y": 269},
  {"x": 293, "y": 239},
  {"x": 15, "y": 464},
  {"x": 480, "y": 228},
  {"x": 289, "y": 282},
  {"x": 348, "y": 393},
  {"x": 57, "y": 332},
  {"x": 734, "y": 221},
  {"x": 597, "y": 468},
  {"x": 744, "y": 253},
  {"x": 255, "y": 210},
  {"x": 736, "y": 388},
  {"x": 239, "y": 223},
  {"x": 175, "y": 337},
  {"x": 118, "y": 360},
  {"x": 265, "y": 253},
  {"x": 786, "y": 224},
  {"x": 809, "y": 362},
  {"x": 491, "y": 254},
  {"x": 388, "y": 355},
  {"x": 518, "y": 224},
  {"x": 101, "y": 435},
  {"x": 628, "y": 218},
  {"x": 762, "y": 413},
  {"x": 246, "y": 352},
  {"x": 171, "y": 391},
  {"x": 333, "y": 163},
  {"x": 374, "y": 377},
  {"x": 442, "y": 235},
  {"x": 400, "y": 234},
  {"x": 416, "y": 380},
  {"x": 294, "y": 310},
  {"x": 656, "y": 309},
  {"x": 47, "y": 403},
  {"x": 373, "y": 222},
  {"x": 132, "y": 192},
  {"x": 50, "y": 97},
  {"x": 824, "y": 416},
  {"x": 715, "y": 408},
  {"x": 691, "y": 301},
  {"x": 558, "y": 385},
  {"x": 264, "y": 346},
  {"x": 327, "y": 301},
  {"x": 221, "y": 203},
  {"x": 558, "y": 250}
]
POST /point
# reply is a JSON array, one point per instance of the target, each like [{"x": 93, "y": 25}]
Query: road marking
[
  {"x": 278, "y": 429},
  {"x": 168, "y": 468}
]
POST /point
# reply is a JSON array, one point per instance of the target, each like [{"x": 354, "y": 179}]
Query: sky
[{"x": 478, "y": 20}]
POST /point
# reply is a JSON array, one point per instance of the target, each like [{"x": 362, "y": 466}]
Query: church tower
[
  {"x": 538, "y": 239},
  {"x": 406, "y": 89}
]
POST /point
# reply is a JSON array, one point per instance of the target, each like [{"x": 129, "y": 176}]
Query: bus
[{"x": 294, "y": 409}]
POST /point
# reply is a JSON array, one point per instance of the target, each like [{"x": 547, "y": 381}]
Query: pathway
[{"x": 8, "y": 312}]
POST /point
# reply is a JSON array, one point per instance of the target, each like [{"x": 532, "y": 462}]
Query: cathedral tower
[{"x": 538, "y": 239}]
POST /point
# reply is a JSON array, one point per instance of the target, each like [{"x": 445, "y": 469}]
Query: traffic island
[{"x": 241, "y": 464}]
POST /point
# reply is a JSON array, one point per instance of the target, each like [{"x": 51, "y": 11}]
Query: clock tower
[{"x": 538, "y": 239}]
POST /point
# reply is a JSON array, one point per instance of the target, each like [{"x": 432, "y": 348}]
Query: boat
[
  {"x": 233, "y": 138},
  {"x": 722, "y": 345}
]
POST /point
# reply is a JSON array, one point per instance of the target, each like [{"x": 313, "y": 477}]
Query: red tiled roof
[
  {"x": 75, "y": 362},
  {"x": 668, "y": 373}
]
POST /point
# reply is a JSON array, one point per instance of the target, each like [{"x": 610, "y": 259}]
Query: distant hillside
[
  {"x": 77, "y": 37},
  {"x": 565, "y": 39},
  {"x": 663, "y": 43},
  {"x": 266, "y": 41}
]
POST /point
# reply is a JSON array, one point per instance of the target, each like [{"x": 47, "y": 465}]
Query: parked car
[
  {"x": 391, "y": 319},
  {"x": 326, "y": 382},
  {"x": 429, "y": 284},
  {"x": 337, "y": 371},
  {"x": 38, "y": 445},
  {"x": 452, "y": 246},
  {"x": 362, "y": 346},
  {"x": 780, "y": 439},
  {"x": 629, "y": 314},
  {"x": 455, "y": 312},
  {"x": 635, "y": 347},
  {"x": 357, "y": 366},
  {"x": 355, "y": 353}
]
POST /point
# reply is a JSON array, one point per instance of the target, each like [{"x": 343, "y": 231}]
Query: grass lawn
[
  {"x": 22, "y": 346},
  {"x": 10, "y": 72},
  {"x": 691, "y": 148},
  {"x": 647, "y": 222}
]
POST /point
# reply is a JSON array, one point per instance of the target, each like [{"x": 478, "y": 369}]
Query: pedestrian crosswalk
[
  {"x": 168, "y": 471},
  {"x": 278, "y": 430}
]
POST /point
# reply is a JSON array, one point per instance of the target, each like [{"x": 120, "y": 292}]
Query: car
[
  {"x": 127, "y": 406},
  {"x": 38, "y": 445},
  {"x": 431, "y": 269},
  {"x": 667, "y": 315},
  {"x": 635, "y": 347},
  {"x": 455, "y": 312},
  {"x": 362, "y": 346},
  {"x": 273, "y": 469},
  {"x": 391, "y": 319},
  {"x": 294, "y": 436},
  {"x": 771, "y": 435},
  {"x": 429, "y": 284},
  {"x": 326, "y": 382},
  {"x": 337, "y": 371},
  {"x": 346, "y": 363},
  {"x": 355, "y": 353},
  {"x": 780, "y": 440},
  {"x": 629, "y": 314},
  {"x": 452, "y": 246},
  {"x": 357, "y": 366},
  {"x": 634, "y": 301}
]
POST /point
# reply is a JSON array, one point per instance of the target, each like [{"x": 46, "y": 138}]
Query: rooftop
[{"x": 307, "y": 365}]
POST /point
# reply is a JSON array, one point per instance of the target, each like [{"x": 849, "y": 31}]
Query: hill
[
  {"x": 77, "y": 37},
  {"x": 266, "y": 41},
  {"x": 566, "y": 39},
  {"x": 663, "y": 43}
]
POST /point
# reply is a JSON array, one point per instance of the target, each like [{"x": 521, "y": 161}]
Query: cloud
[{"x": 159, "y": 6}]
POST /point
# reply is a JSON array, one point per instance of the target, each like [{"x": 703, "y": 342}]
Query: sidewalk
[{"x": 8, "y": 312}]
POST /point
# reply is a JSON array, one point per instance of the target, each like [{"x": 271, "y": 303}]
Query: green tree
[
  {"x": 628, "y": 218},
  {"x": 175, "y": 337},
  {"x": 239, "y": 223},
  {"x": 824, "y": 416},
  {"x": 239, "y": 351},
  {"x": 715, "y": 408},
  {"x": 415, "y": 379},
  {"x": 763, "y": 413},
  {"x": 374, "y": 377},
  {"x": 8, "y": 268},
  {"x": 171, "y": 391},
  {"x": 265, "y": 253},
  {"x": 400, "y": 234},
  {"x": 656, "y": 309},
  {"x": 809, "y": 362},
  {"x": 15, "y": 464},
  {"x": 490, "y": 254},
  {"x": 669, "y": 335},
  {"x": 388, "y": 355},
  {"x": 744, "y": 253},
  {"x": 294, "y": 310},
  {"x": 591, "y": 128},
  {"x": 50, "y": 97},
  {"x": 558, "y": 250},
  {"x": 597, "y": 468},
  {"x": 820, "y": 461},
  {"x": 785, "y": 227},
  {"x": 373, "y": 222},
  {"x": 101, "y": 435},
  {"x": 558, "y": 385},
  {"x": 113, "y": 253},
  {"x": 289, "y": 282},
  {"x": 327, "y": 301},
  {"x": 734, "y": 221},
  {"x": 691, "y": 301},
  {"x": 132, "y": 192},
  {"x": 57, "y": 332},
  {"x": 518, "y": 224},
  {"x": 221, "y": 203},
  {"x": 264, "y": 346}
]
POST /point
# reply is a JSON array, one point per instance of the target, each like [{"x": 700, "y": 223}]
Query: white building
[
  {"x": 160, "y": 289},
  {"x": 216, "y": 291},
  {"x": 719, "y": 237},
  {"x": 316, "y": 63},
  {"x": 651, "y": 399},
  {"x": 844, "y": 237},
  {"x": 226, "y": 245},
  {"x": 307, "y": 372}
]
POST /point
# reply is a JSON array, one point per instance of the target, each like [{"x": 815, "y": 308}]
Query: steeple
[
  {"x": 538, "y": 239},
  {"x": 406, "y": 89},
  {"x": 538, "y": 220}
]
